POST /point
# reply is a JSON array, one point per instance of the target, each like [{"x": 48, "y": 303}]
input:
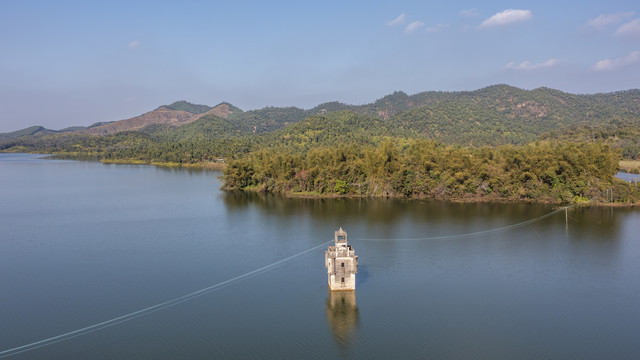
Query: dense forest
[
  {"x": 499, "y": 142},
  {"x": 550, "y": 171}
]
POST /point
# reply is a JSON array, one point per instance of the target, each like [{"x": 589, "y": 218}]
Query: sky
[{"x": 67, "y": 63}]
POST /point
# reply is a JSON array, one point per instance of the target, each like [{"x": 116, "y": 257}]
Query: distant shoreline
[{"x": 208, "y": 165}]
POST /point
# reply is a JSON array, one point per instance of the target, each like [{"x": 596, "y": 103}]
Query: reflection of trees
[
  {"x": 342, "y": 316},
  {"x": 601, "y": 224},
  {"x": 389, "y": 218},
  {"x": 234, "y": 200},
  {"x": 340, "y": 209},
  {"x": 380, "y": 210}
]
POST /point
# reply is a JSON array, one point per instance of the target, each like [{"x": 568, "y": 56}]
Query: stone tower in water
[{"x": 341, "y": 263}]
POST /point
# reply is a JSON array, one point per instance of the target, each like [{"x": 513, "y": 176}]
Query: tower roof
[{"x": 341, "y": 236}]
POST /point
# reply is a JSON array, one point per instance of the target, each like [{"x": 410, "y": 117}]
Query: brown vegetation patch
[
  {"x": 162, "y": 115},
  {"x": 221, "y": 110}
]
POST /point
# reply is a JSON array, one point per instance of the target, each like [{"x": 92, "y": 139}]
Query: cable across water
[
  {"x": 220, "y": 285},
  {"x": 471, "y": 234},
  {"x": 151, "y": 309}
]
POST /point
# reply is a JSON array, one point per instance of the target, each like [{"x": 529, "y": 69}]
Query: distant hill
[
  {"x": 34, "y": 131},
  {"x": 161, "y": 115},
  {"x": 223, "y": 110},
  {"x": 174, "y": 115},
  {"x": 330, "y": 107},
  {"x": 188, "y": 107},
  {"x": 267, "y": 119},
  {"x": 494, "y": 115},
  {"x": 517, "y": 115}
]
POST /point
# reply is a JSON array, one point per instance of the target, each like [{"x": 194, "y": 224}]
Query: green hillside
[
  {"x": 232, "y": 108},
  {"x": 34, "y": 131},
  {"x": 189, "y": 107},
  {"x": 621, "y": 135},
  {"x": 492, "y": 116},
  {"x": 266, "y": 119}
]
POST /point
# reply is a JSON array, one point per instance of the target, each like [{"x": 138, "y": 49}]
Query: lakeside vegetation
[
  {"x": 496, "y": 143},
  {"x": 549, "y": 171}
]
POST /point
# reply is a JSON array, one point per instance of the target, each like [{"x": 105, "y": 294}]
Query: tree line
[{"x": 553, "y": 171}]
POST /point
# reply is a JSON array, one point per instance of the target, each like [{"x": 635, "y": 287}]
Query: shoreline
[
  {"x": 466, "y": 200},
  {"x": 208, "y": 165}
]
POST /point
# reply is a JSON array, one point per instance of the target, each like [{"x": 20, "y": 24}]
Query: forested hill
[
  {"x": 531, "y": 112},
  {"x": 188, "y": 107},
  {"x": 495, "y": 115},
  {"x": 30, "y": 131}
]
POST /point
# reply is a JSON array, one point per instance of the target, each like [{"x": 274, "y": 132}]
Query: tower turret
[{"x": 341, "y": 263}]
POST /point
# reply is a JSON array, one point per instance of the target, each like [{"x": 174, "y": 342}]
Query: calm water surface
[{"x": 83, "y": 242}]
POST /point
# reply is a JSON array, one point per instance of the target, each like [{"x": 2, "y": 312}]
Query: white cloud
[
  {"x": 527, "y": 65},
  {"x": 605, "y": 20},
  {"x": 630, "y": 29},
  {"x": 134, "y": 44},
  {"x": 508, "y": 16},
  {"x": 437, "y": 28},
  {"x": 397, "y": 21},
  {"x": 469, "y": 13},
  {"x": 612, "y": 64},
  {"x": 413, "y": 27}
]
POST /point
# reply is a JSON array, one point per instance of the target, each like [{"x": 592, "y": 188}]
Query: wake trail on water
[{"x": 163, "y": 305}]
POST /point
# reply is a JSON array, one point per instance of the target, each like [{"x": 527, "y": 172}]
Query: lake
[{"x": 129, "y": 247}]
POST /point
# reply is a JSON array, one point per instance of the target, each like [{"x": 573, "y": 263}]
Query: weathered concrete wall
[{"x": 341, "y": 263}]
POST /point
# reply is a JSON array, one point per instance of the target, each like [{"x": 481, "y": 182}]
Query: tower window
[
  {"x": 342, "y": 264},
  {"x": 342, "y": 279}
]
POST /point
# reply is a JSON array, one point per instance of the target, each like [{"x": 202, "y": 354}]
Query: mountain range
[{"x": 494, "y": 115}]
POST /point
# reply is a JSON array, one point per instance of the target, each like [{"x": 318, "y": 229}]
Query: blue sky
[{"x": 65, "y": 63}]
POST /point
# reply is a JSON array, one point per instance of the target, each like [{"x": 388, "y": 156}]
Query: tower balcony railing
[{"x": 342, "y": 252}]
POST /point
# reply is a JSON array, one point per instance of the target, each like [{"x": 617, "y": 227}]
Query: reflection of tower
[
  {"x": 342, "y": 315},
  {"x": 341, "y": 263}
]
